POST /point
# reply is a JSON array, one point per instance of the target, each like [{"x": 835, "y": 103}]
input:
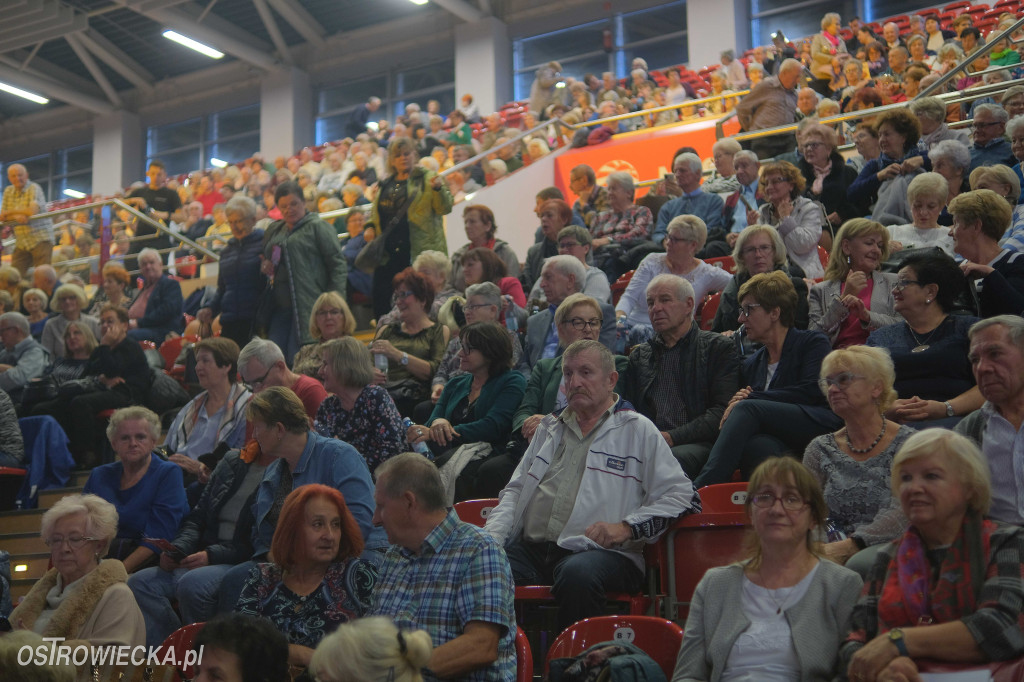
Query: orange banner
[{"x": 645, "y": 154}]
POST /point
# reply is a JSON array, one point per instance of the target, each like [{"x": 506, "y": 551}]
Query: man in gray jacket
[
  {"x": 23, "y": 358},
  {"x": 772, "y": 103}
]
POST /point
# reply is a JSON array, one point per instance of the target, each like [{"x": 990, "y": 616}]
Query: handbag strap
[{"x": 397, "y": 218}]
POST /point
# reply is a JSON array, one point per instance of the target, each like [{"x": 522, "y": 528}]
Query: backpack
[{"x": 613, "y": 661}]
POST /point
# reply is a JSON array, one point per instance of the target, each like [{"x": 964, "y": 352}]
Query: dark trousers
[
  {"x": 239, "y": 331},
  {"x": 759, "y": 429},
  {"x": 579, "y": 580},
  {"x": 772, "y": 146}
]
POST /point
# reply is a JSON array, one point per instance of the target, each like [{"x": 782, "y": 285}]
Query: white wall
[
  {"x": 512, "y": 201},
  {"x": 713, "y": 26}
]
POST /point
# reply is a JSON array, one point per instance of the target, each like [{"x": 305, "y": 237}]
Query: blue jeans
[
  {"x": 195, "y": 590},
  {"x": 579, "y": 580},
  {"x": 281, "y": 331},
  {"x": 759, "y": 429},
  {"x": 9, "y": 460}
]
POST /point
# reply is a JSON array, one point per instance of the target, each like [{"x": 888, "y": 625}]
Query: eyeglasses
[
  {"x": 258, "y": 382},
  {"x": 579, "y": 324},
  {"x": 677, "y": 240},
  {"x": 466, "y": 349},
  {"x": 745, "y": 310},
  {"x": 790, "y": 501},
  {"x": 902, "y": 284},
  {"x": 764, "y": 248},
  {"x": 75, "y": 542},
  {"x": 328, "y": 312},
  {"x": 975, "y": 126},
  {"x": 568, "y": 245},
  {"x": 400, "y": 295},
  {"x": 813, "y": 145},
  {"x": 476, "y": 306},
  {"x": 776, "y": 181},
  {"x": 841, "y": 381}
]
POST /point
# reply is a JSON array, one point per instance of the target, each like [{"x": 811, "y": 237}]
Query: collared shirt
[
  {"x": 552, "y": 504},
  {"x": 28, "y": 359},
  {"x": 28, "y": 235},
  {"x": 1003, "y": 447},
  {"x": 665, "y": 399},
  {"x": 459, "y": 575},
  {"x": 551, "y": 341},
  {"x": 739, "y": 216}
]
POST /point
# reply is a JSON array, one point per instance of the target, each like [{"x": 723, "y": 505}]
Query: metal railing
[{"x": 990, "y": 42}]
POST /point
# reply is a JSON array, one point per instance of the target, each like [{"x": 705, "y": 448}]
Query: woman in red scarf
[
  {"x": 950, "y": 588},
  {"x": 825, "y": 50}
]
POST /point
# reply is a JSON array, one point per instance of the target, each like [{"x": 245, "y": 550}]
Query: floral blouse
[
  {"x": 373, "y": 426},
  {"x": 344, "y": 595}
]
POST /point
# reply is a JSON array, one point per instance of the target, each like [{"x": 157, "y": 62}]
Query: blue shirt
[
  {"x": 707, "y": 207},
  {"x": 739, "y": 217},
  {"x": 328, "y": 461},
  {"x": 152, "y": 508},
  {"x": 460, "y": 575}
]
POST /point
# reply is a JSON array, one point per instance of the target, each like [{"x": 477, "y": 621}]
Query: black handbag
[{"x": 371, "y": 255}]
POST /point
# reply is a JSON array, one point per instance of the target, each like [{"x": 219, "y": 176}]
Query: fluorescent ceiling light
[
  {"x": 418, "y": 2},
  {"x": 218, "y": 163},
  {"x": 38, "y": 99},
  {"x": 193, "y": 44},
  {"x": 74, "y": 194}
]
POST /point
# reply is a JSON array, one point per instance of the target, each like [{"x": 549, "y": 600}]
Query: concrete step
[
  {"x": 23, "y": 543},
  {"x": 26, "y": 521},
  {"x": 48, "y": 498},
  {"x": 78, "y": 478}
]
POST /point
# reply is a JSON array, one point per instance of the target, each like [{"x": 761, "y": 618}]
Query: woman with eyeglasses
[
  {"x": 883, "y": 181},
  {"x": 330, "y": 319},
  {"x": 855, "y": 297},
  {"x": 413, "y": 347},
  {"x": 758, "y": 249},
  {"x": 949, "y": 588},
  {"x": 781, "y": 613},
  {"x": 476, "y": 406},
  {"x": 853, "y": 464},
  {"x": 826, "y": 174},
  {"x": 82, "y": 598},
  {"x": 929, "y": 347},
  {"x": 780, "y": 408},
  {"x": 685, "y": 236},
  {"x": 798, "y": 219}
]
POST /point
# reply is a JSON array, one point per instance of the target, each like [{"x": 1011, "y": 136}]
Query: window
[
  {"x": 658, "y": 35},
  {"x": 57, "y": 171},
  {"x": 231, "y": 135},
  {"x": 795, "y": 20},
  {"x": 396, "y": 89}
]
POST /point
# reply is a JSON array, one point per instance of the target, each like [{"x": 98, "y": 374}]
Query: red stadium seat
[
  {"x": 959, "y": 5},
  {"x": 708, "y": 310},
  {"x": 524, "y": 657},
  {"x": 475, "y": 511},
  {"x": 181, "y": 641},
  {"x": 659, "y": 638},
  {"x": 620, "y": 286}
]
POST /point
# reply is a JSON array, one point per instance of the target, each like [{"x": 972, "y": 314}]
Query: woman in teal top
[{"x": 476, "y": 406}]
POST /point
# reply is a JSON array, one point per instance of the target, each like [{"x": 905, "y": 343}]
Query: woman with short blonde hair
[
  {"x": 927, "y": 195},
  {"x": 330, "y": 318}
]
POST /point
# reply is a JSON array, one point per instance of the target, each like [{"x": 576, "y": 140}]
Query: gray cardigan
[
  {"x": 819, "y": 621},
  {"x": 827, "y": 313}
]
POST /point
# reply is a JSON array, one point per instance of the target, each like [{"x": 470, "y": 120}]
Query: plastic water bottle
[
  {"x": 380, "y": 361},
  {"x": 620, "y": 336},
  {"x": 420, "y": 447},
  {"x": 511, "y": 322}
]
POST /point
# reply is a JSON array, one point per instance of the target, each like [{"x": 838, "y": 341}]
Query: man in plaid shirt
[
  {"x": 442, "y": 575},
  {"x": 33, "y": 240}
]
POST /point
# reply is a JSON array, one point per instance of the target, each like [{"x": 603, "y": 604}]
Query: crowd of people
[{"x": 864, "y": 373}]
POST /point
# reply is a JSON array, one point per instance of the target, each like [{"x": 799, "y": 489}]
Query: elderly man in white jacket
[{"x": 597, "y": 482}]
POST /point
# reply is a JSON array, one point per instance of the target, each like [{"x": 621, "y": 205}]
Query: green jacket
[
  {"x": 316, "y": 264},
  {"x": 426, "y": 221},
  {"x": 542, "y": 388},
  {"x": 498, "y": 399}
]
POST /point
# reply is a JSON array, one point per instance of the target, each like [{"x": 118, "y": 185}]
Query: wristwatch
[
  {"x": 896, "y": 637},
  {"x": 405, "y": 358},
  {"x": 949, "y": 409}
]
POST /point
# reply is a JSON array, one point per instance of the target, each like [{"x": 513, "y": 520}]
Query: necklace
[
  {"x": 849, "y": 443},
  {"x": 921, "y": 346},
  {"x": 771, "y": 595}
]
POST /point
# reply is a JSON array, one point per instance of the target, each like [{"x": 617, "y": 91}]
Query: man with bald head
[
  {"x": 772, "y": 103},
  {"x": 33, "y": 239}
]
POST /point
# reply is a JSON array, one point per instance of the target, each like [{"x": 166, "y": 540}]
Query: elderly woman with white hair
[
  {"x": 371, "y": 650},
  {"x": 686, "y": 236},
  {"x": 825, "y": 50},
  {"x": 83, "y": 598},
  {"x": 927, "y": 196},
  {"x": 70, "y": 299},
  {"x": 952, "y": 160},
  {"x": 437, "y": 268},
  {"x": 723, "y": 178}
]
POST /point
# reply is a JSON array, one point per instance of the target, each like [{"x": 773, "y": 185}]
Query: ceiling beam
[
  {"x": 301, "y": 20},
  {"x": 116, "y": 59},
  {"x": 267, "y": 17},
  {"x": 179, "y": 21},
  {"x": 55, "y": 90},
  {"x": 41, "y": 20},
  {"x": 41, "y": 68},
  {"x": 460, "y": 8},
  {"x": 94, "y": 69}
]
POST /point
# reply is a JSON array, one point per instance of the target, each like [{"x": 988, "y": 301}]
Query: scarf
[
  {"x": 833, "y": 40},
  {"x": 74, "y": 611},
  {"x": 909, "y": 592},
  {"x": 819, "y": 177},
  {"x": 238, "y": 399}
]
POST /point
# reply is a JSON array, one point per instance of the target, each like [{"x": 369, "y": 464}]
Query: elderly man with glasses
[
  {"x": 261, "y": 365},
  {"x": 990, "y": 146}
]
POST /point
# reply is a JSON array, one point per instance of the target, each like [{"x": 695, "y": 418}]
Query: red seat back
[
  {"x": 709, "y": 309},
  {"x": 475, "y": 511},
  {"x": 620, "y": 285},
  {"x": 659, "y": 638},
  {"x": 524, "y": 657},
  {"x": 181, "y": 641}
]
